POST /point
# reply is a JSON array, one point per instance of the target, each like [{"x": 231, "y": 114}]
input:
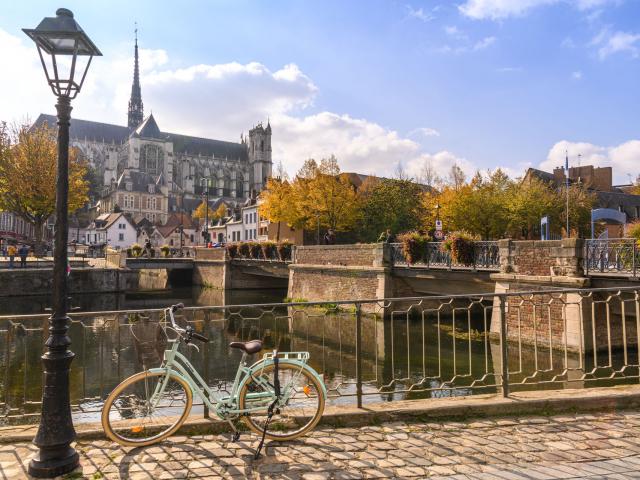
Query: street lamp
[
  {"x": 206, "y": 183},
  {"x": 60, "y": 42}
]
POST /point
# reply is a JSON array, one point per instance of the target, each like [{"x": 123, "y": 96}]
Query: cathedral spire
[{"x": 136, "y": 109}]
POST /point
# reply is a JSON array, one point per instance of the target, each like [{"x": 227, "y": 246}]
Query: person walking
[
  {"x": 23, "y": 252},
  {"x": 11, "y": 252}
]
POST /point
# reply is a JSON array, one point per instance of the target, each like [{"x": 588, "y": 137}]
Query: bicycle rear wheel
[
  {"x": 140, "y": 411},
  {"x": 302, "y": 411}
]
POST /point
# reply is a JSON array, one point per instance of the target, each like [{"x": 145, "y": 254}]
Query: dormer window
[
  {"x": 128, "y": 186},
  {"x": 152, "y": 188}
]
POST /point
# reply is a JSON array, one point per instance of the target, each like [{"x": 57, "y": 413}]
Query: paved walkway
[{"x": 574, "y": 446}]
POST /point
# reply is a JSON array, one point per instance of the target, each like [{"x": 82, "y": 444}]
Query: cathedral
[{"x": 150, "y": 173}]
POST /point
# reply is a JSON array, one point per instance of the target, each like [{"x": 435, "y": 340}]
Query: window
[
  {"x": 122, "y": 226},
  {"x": 128, "y": 186},
  {"x": 152, "y": 188},
  {"x": 121, "y": 237},
  {"x": 153, "y": 203},
  {"x": 151, "y": 159},
  {"x": 254, "y": 233},
  {"x": 148, "y": 203},
  {"x": 246, "y": 233}
]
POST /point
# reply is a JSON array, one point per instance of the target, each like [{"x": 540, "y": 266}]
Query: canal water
[{"x": 403, "y": 356}]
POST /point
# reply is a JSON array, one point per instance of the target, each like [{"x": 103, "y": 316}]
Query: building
[
  {"x": 116, "y": 230},
  {"x": 179, "y": 230},
  {"x": 142, "y": 195},
  {"x": 142, "y": 155},
  {"x": 14, "y": 229},
  {"x": 599, "y": 180}
]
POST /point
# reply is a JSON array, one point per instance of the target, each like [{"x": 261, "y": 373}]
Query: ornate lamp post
[
  {"x": 61, "y": 43},
  {"x": 206, "y": 183}
]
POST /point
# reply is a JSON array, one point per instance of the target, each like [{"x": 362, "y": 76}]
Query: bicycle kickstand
[{"x": 264, "y": 431}]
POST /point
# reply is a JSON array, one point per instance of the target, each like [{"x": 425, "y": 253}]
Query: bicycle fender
[
  {"x": 257, "y": 366},
  {"x": 174, "y": 372}
]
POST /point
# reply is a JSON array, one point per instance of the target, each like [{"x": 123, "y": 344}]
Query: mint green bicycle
[{"x": 279, "y": 397}]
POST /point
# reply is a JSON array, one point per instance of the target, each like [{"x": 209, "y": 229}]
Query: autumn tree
[
  {"x": 527, "y": 203},
  {"x": 204, "y": 211},
  {"x": 276, "y": 201},
  {"x": 28, "y": 166},
  {"x": 322, "y": 198}
]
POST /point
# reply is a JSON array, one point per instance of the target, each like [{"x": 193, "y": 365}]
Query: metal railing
[
  {"x": 612, "y": 255},
  {"x": 486, "y": 256},
  {"x": 367, "y": 350}
]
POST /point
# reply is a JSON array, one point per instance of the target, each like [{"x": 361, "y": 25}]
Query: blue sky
[{"x": 483, "y": 83}]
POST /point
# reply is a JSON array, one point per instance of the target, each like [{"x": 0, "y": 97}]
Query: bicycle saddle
[{"x": 252, "y": 346}]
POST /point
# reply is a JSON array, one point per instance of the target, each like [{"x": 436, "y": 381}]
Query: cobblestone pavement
[{"x": 575, "y": 446}]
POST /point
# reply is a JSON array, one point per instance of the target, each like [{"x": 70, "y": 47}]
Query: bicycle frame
[{"x": 176, "y": 363}]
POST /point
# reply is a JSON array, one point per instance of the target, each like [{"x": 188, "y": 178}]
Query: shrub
[
  {"x": 136, "y": 249},
  {"x": 633, "y": 230},
  {"x": 165, "y": 250},
  {"x": 243, "y": 249},
  {"x": 232, "y": 250},
  {"x": 284, "y": 250},
  {"x": 413, "y": 246},
  {"x": 269, "y": 250},
  {"x": 255, "y": 250},
  {"x": 460, "y": 246}
]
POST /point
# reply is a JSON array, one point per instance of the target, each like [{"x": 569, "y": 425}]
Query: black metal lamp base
[{"x": 59, "y": 462}]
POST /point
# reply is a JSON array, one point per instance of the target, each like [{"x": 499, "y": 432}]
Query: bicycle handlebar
[{"x": 189, "y": 330}]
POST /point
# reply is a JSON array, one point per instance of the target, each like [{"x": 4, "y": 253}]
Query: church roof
[
  {"x": 148, "y": 129},
  {"x": 108, "y": 133},
  {"x": 140, "y": 181}
]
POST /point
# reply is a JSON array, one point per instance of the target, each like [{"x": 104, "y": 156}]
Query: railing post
[
  {"x": 359, "y": 354},
  {"x": 207, "y": 324},
  {"x": 504, "y": 347}
]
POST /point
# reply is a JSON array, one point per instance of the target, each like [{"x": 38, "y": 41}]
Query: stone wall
[
  {"x": 340, "y": 272},
  {"x": 557, "y": 258},
  {"x": 364, "y": 255},
  {"x": 18, "y": 282}
]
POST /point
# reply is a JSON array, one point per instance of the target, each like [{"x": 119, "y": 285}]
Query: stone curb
[{"x": 550, "y": 402}]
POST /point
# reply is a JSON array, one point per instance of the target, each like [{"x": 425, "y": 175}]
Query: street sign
[
  {"x": 438, "y": 225},
  {"x": 439, "y": 235}
]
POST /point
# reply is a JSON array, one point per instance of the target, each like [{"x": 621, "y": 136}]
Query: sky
[{"x": 481, "y": 83}]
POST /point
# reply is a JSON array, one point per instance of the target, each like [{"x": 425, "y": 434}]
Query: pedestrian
[
  {"x": 11, "y": 252},
  {"x": 147, "y": 248},
  {"x": 23, "y": 251}
]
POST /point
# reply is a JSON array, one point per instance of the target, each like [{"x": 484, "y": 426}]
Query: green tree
[
  {"x": 527, "y": 203},
  {"x": 28, "y": 168},
  {"x": 389, "y": 203}
]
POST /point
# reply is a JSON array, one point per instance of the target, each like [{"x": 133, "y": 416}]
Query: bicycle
[{"x": 279, "y": 396}]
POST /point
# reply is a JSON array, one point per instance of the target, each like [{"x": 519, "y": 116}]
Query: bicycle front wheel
[
  {"x": 146, "y": 408},
  {"x": 303, "y": 408}
]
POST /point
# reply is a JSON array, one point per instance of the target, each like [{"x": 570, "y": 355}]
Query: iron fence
[
  {"x": 485, "y": 256},
  {"x": 367, "y": 350},
  {"x": 614, "y": 255}
]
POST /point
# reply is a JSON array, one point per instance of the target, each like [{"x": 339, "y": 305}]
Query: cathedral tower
[
  {"x": 260, "y": 155},
  {"x": 136, "y": 109}
]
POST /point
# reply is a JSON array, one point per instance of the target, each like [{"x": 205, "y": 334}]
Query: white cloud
[
  {"x": 610, "y": 43},
  {"x": 484, "y": 43},
  {"x": 442, "y": 162},
  {"x": 501, "y": 9},
  {"x": 455, "y": 32},
  {"x": 623, "y": 158},
  {"x": 467, "y": 47},
  {"x": 419, "y": 13},
  {"x": 576, "y": 75},
  {"x": 425, "y": 131}
]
